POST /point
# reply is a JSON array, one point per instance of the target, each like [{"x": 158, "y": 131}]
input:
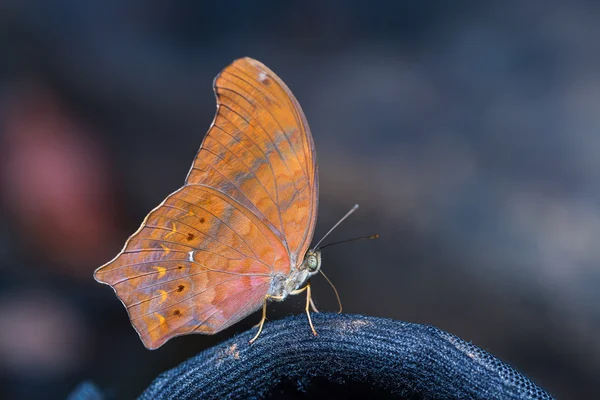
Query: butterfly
[{"x": 237, "y": 234}]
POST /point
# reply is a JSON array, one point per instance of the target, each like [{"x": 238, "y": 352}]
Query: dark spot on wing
[
  {"x": 202, "y": 220},
  {"x": 190, "y": 236},
  {"x": 177, "y": 313},
  {"x": 180, "y": 288}
]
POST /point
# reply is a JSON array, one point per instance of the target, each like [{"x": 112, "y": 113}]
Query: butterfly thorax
[{"x": 282, "y": 285}]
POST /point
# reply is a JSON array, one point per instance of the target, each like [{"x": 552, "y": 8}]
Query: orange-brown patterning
[{"x": 237, "y": 233}]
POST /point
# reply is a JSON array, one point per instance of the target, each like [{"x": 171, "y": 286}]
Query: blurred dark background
[{"x": 466, "y": 130}]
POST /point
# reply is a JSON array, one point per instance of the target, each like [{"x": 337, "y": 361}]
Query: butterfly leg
[
  {"x": 264, "y": 317},
  {"x": 312, "y": 305},
  {"x": 308, "y": 304}
]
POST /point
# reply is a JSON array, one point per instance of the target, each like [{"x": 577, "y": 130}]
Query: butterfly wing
[
  {"x": 205, "y": 257},
  {"x": 260, "y": 151}
]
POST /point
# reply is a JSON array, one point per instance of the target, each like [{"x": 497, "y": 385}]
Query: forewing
[{"x": 260, "y": 152}]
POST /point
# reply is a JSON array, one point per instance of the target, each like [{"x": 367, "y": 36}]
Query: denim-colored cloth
[
  {"x": 86, "y": 391},
  {"x": 367, "y": 356}
]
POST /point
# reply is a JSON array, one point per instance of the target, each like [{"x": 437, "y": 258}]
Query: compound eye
[{"x": 312, "y": 263}]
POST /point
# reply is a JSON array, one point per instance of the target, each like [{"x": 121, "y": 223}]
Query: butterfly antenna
[
  {"x": 354, "y": 208},
  {"x": 375, "y": 236},
  {"x": 334, "y": 290}
]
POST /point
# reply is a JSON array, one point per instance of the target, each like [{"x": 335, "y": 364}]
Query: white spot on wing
[
  {"x": 191, "y": 256},
  {"x": 262, "y": 76}
]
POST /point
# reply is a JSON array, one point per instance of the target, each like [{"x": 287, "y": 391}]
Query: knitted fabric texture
[{"x": 400, "y": 359}]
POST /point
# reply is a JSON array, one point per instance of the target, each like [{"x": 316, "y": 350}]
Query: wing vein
[
  {"x": 304, "y": 171},
  {"x": 234, "y": 203},
  {"x": 282, "y": 232},
  {"x": 283, "y": 239},
  {"x": 247, "y": 168},
  {"x": 256, "y": 145},
  {"x": 183, "y": 300},
  {"x": 188, "y": 225},
  {"x": 220, "y": 302},
  {"x": 200, "y": 249},
  {"x": 236, "y": 186},
  {"x": 206, "y": 270},
  {"x": 283, "y": 160},
  {"x": 223, "y": 222}
]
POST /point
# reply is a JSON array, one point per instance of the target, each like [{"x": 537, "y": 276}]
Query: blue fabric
[
  {"x": 369, "y": 356},
  {"x": 86, "y": 391}
]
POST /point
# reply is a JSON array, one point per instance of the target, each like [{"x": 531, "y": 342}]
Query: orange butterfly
[{"x": 237, "y": 233}]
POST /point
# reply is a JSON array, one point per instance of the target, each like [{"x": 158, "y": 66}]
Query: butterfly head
[{"x": 312, "y": 262}]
